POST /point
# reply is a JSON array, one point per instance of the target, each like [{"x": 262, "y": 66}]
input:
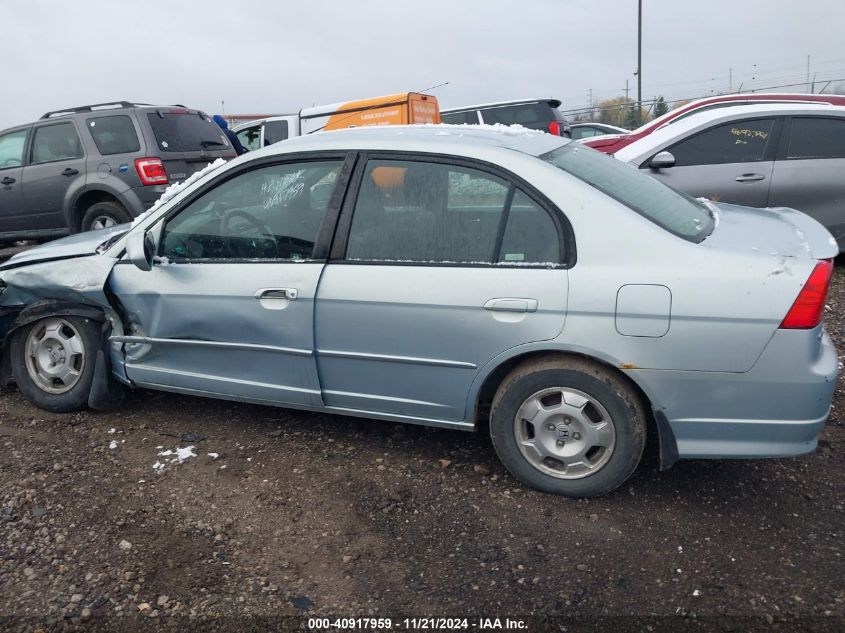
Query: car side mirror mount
[
  {"x": 662, "y": 160},
  {"x": 140, "y": 249}
]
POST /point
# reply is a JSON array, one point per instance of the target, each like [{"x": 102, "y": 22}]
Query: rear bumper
[
  {"x": 139, "y": 199},
  {"x": 776, "y": 409}
]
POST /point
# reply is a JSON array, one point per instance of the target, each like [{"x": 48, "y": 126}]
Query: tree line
[{"x": 623, "y": 112}]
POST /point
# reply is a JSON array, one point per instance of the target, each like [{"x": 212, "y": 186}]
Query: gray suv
[{"x": 95, "y": 166}]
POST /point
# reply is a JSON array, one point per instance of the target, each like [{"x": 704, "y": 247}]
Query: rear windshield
[
  {"x": 524, "y": 114},
  {"x": 186, "y": 132},
  {"x": 673, "y": 210}
]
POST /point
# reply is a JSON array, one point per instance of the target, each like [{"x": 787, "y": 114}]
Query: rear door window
[
  {"x": 113, "y": 134},
  {"x": 436, "y": 213},
  {"x": 736, "y": 142},
  {"x": 186, "y": 132},
  {"x": 816, "y": 138},
  {"x": 56, "y": 142},
  {"x": 11, "y": 149}
]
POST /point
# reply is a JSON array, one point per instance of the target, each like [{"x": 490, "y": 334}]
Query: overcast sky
[{"x": 265, "y": 56}]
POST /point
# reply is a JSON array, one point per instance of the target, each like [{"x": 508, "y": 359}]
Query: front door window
[{"x": 271, "y": 213}]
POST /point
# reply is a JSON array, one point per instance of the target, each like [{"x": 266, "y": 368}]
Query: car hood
[
  {"x": 780, "y": 231},
  {"x": 77, "y": 245}
]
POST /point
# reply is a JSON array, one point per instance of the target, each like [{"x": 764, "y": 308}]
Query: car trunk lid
[{"x": 778, "y": 231}]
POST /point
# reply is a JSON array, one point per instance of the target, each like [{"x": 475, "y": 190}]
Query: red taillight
[
  {"x": 554, "y": 128},
  {"x": 808, "y": 309},
  {"x": 151, "y": 171}
]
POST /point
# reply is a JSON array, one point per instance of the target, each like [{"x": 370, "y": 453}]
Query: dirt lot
[{"x": 283, "y": 513}]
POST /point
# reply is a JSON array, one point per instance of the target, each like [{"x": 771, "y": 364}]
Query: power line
[{"x": 584, "y": 110}]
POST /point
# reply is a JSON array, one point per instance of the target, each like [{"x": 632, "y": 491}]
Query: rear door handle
[
  {"x": 510, "y": 304},
  {"x": 8, "y": 181},
  {"x": 276, "y": 293},
  {"x": 750, "y": 177},
  {"x": 70, "y": 171}
]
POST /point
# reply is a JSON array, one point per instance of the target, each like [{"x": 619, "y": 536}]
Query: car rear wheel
[
  {"x": 53, "y": 361},
  {"x": 568, "y": 427},
  {"x": 102, "y": 215}
]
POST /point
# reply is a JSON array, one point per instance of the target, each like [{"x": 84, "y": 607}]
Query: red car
[{"x": 611, "y": 144}]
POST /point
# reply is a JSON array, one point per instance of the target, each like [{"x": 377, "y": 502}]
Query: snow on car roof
[
  {"x": 647, "y": 145},
  {"x": 443, "y": 138}
]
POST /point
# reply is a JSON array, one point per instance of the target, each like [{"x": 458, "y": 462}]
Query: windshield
[
  {"x": 673, "y": 210},
  {"x": 186, "y": 132}
]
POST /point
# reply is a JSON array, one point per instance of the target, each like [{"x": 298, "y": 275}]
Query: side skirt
[{"x": 445, "y": 424}]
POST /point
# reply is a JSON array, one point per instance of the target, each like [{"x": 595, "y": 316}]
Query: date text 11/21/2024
[{"x": 417, "y": 624}]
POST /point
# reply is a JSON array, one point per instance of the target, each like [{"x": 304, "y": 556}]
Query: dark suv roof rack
[{"x": 90, "y": 108}]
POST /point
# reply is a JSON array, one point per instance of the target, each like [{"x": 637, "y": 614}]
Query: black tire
[
  {"x": 76, "y": 397},
  {"x": 112, "y": 211},
  {"x": 608, "y": 389}
]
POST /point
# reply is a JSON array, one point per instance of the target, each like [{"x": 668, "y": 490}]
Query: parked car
[
  {"x": 612, "y": 144},
  {"x": 535, "y": 114},
  {"x": 588, "y": 130},
  {"x": 455, "y": 278},
  {"x": 399, "y": 109},
  {"x": 764, "y": 155},
  {"x": 98, "y": 165}
]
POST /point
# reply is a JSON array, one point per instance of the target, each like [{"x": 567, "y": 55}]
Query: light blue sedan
[{"x": 451, "y": 276}]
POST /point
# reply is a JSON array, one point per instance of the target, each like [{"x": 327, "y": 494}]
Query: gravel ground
[{"x": 282, "y": 513}]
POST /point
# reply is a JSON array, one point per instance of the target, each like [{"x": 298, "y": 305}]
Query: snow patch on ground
[{"x": 173, "y": 457}]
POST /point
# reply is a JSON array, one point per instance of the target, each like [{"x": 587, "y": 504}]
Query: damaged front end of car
[{"x": 60, "y": 282}]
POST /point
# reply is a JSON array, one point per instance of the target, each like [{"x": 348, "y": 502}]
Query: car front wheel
[
  {"x": 568, "y": 427},
  {"x": 53, "y": 361}
]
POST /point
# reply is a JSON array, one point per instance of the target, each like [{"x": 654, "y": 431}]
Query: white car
[{"x": 766, "y": 155}]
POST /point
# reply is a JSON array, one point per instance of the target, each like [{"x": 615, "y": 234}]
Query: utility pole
[
  {"x": 626, "y": 93},
  {"x": 730, "y": 80},
  {"x": 808, "y": 73},
  {"x": 592, "y": 113},
  {"x": 640, "y": 60}
]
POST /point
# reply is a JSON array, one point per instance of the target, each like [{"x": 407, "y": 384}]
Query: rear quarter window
[
  {"x": 186, "y": 132},
  {"x": 113, "y": 134},
  {"x": 673, "y": 210}
]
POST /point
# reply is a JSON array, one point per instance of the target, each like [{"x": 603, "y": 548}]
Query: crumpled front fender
[{"x": 69, "y": 287}]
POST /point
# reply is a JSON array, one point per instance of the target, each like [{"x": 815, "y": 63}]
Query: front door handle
[
  {"x": 70, "y": 171},
  {"x": 276, "y": 293},
  {"x": 510, "y": 304},
  {"x": 8, "y": 181},
  {"x": 750, "y": 177}
]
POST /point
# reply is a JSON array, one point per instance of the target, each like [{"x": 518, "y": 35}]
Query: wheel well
[
  {"x": 34, "y": 312},
  {"x": 492, "y": 382},
  {"x": 86, "y": 200}
]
